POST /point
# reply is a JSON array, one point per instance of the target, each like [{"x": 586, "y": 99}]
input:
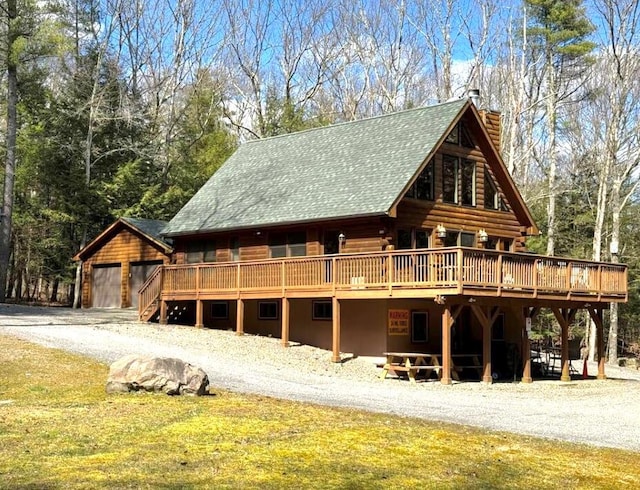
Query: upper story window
[
  {"x": 492, "y": 198},
  {"x": 423, "y": 187},
  {"x": 234, "y": 249},
  {"x": 458, "y": 181},
  {"x": 288, "y": 244},
  {"x": 415, "y": 238},
  {"x": 201, "y": 251},
  {"x": 460, "y": 136},
  {"x": 460, "y": 239}
]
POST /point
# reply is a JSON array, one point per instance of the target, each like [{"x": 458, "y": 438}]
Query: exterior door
[
  {"x": 138, "y": 275},
  {"x": 331, "y": 247},
  {"x": 106, "y": 286}
]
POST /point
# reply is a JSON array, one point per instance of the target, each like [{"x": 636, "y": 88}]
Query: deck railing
[{"x": 456, "y": 269}]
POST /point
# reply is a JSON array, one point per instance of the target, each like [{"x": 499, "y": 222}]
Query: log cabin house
[
  {"x": 403, "y": 232},
  {"x": 118, "y": 261}
]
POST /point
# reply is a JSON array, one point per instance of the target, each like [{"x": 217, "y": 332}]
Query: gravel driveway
[{"x": 601, "y": 413}]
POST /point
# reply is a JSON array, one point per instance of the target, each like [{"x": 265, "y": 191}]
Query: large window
[
  {"x": 288, "y": 245},
  {"x": 492, "y": 198},
  {"x": 458, "y": 181},
  {"x": 201, "y": 251},
  {"x": 423, "y": 187},
  {"x": 468, "y": 183},
  {"x": 449, "y": 179}
]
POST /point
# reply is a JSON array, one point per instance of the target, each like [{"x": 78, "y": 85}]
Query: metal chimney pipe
[{"x": 474, "y": 95}]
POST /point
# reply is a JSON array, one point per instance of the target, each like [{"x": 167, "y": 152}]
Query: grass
[{"x": 58, "y": 429}]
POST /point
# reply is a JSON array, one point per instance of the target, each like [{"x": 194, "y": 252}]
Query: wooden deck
[{"x": 398, "y": 274}]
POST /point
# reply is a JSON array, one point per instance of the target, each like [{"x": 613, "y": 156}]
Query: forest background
[{"x": 125, "y": 108}]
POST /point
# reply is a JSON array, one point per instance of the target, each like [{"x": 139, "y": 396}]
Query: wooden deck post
[
  {"x": 285, "y": 322},
  {"x": 596, "y": 315},
  {"x": 486, "y": 321},
  {"x": 447, "y": 322},
  {"x": 526, "y": 346},
  {"x": 240, "y": 316},
  {"x": 565, "y": 317},
  {"x": 336, "y": 330},
  {"x": 199, "y": 313},
  {"x": 163, "y": 312},
  {"x": 564, "y": 332}
]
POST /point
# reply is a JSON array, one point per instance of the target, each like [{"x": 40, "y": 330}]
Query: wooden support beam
[
  {"x": 336, "y": 330},
  {"x": 199, "y": 314},
  {"x": 522, "y": 314},
  {"x": 447, "y": 323},
  {"x": 285, "y": 322},
  {"x": 596, "y": 316},
  {"x": 486, "y": 321},
  {"x": 240, "y": 316},
  {"x": 564, "y": 316},
  {"x": 163, "y": 312}
]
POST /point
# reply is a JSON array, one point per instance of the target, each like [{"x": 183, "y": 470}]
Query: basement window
[
  {"x": 267, "y": 310},
  {"x": 322, "y": 310},
  {"x": 220, "y": 310}
]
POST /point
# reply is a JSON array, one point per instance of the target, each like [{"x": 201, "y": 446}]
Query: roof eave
[{"x": 203, "y": 231}]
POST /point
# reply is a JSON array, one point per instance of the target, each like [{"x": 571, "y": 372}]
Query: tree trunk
[
  {"x": 54, "y": 291},
  {"x": 616, "y": 205},
  {"x": 77, "y": 294},
  {"x": 10, "y": 165}
]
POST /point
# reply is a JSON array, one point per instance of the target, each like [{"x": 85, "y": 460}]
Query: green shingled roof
[
  {"x": 345, "y": 170},
  {"x": 149, "y": 227}
]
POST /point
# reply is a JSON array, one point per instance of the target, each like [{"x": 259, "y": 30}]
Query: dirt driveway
[{"x": 601, "y": 413}]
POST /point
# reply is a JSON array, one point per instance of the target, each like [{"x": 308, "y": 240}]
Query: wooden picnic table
[
  {"x": 415, "y": 362},
  {"x": 411, "y": 363}
]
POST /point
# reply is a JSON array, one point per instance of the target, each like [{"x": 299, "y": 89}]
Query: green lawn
[{"x": 58, "y": 429}]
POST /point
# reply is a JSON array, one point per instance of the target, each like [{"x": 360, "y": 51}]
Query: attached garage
[{"x": 118, "y": 262}]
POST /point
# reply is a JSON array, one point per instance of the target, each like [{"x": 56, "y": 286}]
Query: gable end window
[
  {"x": 492, "y": 198},
  {"x": 458, "y": 181},
  {"x": 423, "y": 187},
  {"x": 460, "y": 136}
]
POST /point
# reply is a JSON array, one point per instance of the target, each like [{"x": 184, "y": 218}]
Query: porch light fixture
[
  {"x": 342, "y": 238},
  {"x": 483, "y": 237},
  {"x": 441, "y": 231}
]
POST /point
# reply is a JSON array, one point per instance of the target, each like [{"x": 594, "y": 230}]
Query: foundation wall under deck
[{"x": 366, "y": 328}]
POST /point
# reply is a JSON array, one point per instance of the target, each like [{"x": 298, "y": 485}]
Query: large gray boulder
[{"x": 162, "y": 374}]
